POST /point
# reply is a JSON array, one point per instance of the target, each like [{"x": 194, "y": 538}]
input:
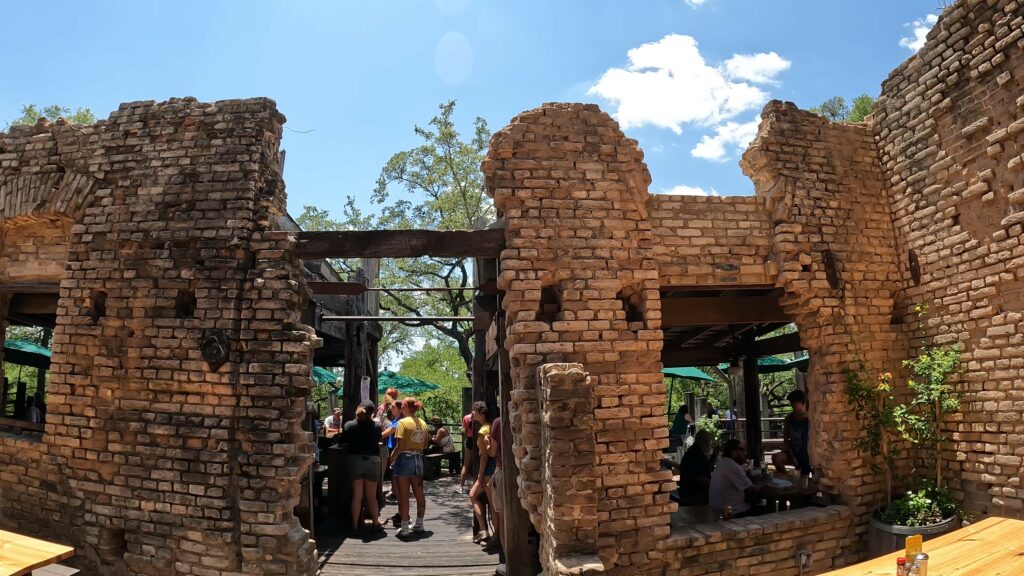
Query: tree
[
  {"x": 442, "y": 188},
  {"x": 438, "y": 362},
  {"x": 836, "y": 110},
  {"x": 30, "y": 114}
]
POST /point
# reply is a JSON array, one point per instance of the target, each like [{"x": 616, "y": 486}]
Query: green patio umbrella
[
  {"x": 771, "y": 365},
  {"x": 688, "y": 372},
  {"x": 26, "y": 353},
  {"x": 323, "y": 375},
  {"x": 406, "y": 385}
]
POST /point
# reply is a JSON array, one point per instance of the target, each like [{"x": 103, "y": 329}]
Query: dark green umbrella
[
  {"x": 27, "y": 353},
  {"x": 324, "y": 376},
  {"x": 687, "y": 372},
  {"x": 771, "y": 364},
  {"x": 406, "y": 385}
]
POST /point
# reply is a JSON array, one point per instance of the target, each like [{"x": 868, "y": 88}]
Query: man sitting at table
[
  {"x": 794, "y": 437},
  {"x": 730, "y": 485},
  {"x": 333, "y": 423},
  {"x": 695, "y": 471}
]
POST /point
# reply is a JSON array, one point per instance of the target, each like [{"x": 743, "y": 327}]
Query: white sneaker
[
  {"x": 418, "y": 528},
  {"x": 404, "y": 532}
]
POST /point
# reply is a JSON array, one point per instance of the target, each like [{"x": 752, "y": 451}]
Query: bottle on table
[
  {"x": 922, "y": 563},
  {"x": 901, "y": 566}
]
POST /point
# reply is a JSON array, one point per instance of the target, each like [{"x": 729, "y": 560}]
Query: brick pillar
[{"x": 581, "y": 285}]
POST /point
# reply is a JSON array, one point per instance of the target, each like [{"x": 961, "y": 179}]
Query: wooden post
[
  {"x": 752, "y": 395},
  {"x": 520, "y": 555},
  {"x": 355, "y": 353}
]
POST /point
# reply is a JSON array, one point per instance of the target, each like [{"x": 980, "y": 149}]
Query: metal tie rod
[{"x": 397, "y": 318}]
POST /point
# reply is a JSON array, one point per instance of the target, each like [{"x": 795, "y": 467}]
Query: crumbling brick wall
[
  {"x": 180, "y": 367},
  {"x": 581, "y": 285},
  {"x": 712, "y": 241},
  {"x": 949, "y": 126}
]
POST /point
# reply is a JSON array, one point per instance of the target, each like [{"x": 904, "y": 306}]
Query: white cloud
[
  {"x": 919, "y": 28},
  {"x": 695, "y": 3},
  {"x": 728, "y": 137},
  {"x": 668, "y": 84},
  {"x": 758, "y": 68},
  {"x": 684, "y": 190}
]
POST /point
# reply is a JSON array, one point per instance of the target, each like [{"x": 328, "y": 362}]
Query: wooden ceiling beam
[
  {"x": 703, "y": 356},
  {"x": 402, "y": 244},
  {"x": 712, "y": 311},
  {"x": 778, "y": 345}
]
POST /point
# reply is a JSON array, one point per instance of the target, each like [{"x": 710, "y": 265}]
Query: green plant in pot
[{"x": 928, "y": 507}]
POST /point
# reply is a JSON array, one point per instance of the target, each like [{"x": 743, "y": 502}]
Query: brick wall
[
  {"x": 581, "y": 285},
  {"x": 950, "y": 132},
  {"x": 157, "y": 457},
  {"x": 762, "y": 545},
  {"x": 712, "y": 241}
]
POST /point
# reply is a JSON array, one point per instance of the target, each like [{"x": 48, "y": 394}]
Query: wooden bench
[{"x": 434, "y": 462}]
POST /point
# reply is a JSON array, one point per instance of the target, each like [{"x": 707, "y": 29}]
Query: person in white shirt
[
  {"x": 333, "y": 423},
  {"x": 729, "y": 483}
]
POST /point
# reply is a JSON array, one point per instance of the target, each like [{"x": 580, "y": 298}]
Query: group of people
[
  {"x": 724, "y": 484},
  {"x": 392, "y": 436},
  {"x": 683, "y": 423}
]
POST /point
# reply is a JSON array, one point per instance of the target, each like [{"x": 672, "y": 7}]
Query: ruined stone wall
[
  {"x": 581, "y": 285},
  {"x": 173, "y": 441},
  {"x": 834, "y": 244},
  {"x": 950, "y": 132},
  {"x": 712, "y": 241}
]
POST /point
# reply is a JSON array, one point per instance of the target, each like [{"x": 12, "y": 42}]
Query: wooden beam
[
  {"x": 33, "y": 303},
  {"x": 778, "y": 345},
  {"x": 402, "y": 244},
  {"x": 703, "y": 356},
  {"x": 30, "y": 288},
  {"x": 715, "y": 311},
  {"x": 752, "y": 404}
]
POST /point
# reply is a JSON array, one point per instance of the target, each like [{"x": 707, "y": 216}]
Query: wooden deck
[{"x": 446, "y": 548}]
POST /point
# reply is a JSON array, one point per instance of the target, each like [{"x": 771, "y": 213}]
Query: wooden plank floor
[{"x": 446, "y": 549}]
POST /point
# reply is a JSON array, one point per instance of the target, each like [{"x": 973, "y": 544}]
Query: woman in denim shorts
[
  {"x": 413, "y": 437},
  {"x": 362, "y": 438}
]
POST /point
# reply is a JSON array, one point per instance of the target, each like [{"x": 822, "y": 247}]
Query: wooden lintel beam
[
  {"x": 778, "y": 345},
  {"x": 720, "y": 310},
  {"x": 30, "y": 288},
  {"x": 402, "y": 244},
  {"x": 704, "y": 356},
  {"x": 33, "y": 303}
]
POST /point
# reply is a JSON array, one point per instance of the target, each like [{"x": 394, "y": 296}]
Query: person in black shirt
[
  {"x": 362, "y": 437},
  {"x": 695, "y": 471},
  {"x": 795, "y": 432}
]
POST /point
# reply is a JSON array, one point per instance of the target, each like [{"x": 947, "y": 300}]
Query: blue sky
[{"x": 359, "y": 76}]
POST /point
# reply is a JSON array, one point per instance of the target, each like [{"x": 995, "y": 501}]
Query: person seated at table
[
  {"x": 682, "y": 423},
  {"x": 795, "y": 430},
  {"x": 730, "y": 486},
  {"x": 441, "y": 441},
  {"x": 332, "y": 424},
  {"x": 695, "y": 471}
]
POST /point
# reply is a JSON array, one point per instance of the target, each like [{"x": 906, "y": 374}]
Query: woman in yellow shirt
[{"x": 407, "y": 457}]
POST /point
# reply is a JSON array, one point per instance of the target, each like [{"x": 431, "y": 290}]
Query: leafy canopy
[
  {"x": 836, "y": 109},
  {"x": 30, "y": 114},
  {"x": 437, "y": 185}
]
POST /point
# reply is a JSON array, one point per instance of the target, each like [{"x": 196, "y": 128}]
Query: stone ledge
[{"x": 803, "y": 518}]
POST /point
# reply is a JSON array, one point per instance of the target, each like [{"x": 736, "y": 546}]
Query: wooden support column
[
  {"x": 520, "y": 554},
  {"x": 752, "y": 397},
  {"x": 4, "y": 300},
  {"x": 356, "y": 365}
]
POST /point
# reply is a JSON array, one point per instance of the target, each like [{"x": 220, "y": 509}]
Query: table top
[
  {"x": 21, "y": 554},
  {"x": 993, "y": 547}
]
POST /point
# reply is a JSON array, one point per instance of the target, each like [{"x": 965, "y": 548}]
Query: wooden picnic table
[
  {"x": 21, "y": 554},
  {"x": 990, "y": 547}
]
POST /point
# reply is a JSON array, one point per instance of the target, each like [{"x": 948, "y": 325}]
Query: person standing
[
  {"x": 389, "y": 426},
  {"x": 390, "y": 396},
  {"x": 495, "y": 487},
  {"x": 32, "y": 412},
  {"x": 485, "y": 470},
  {"x": 467, "y": 449},
  {"x": 682, "y": 423},
  {"x": 413, "y": 437},
  {"x": 795, "y": 432},
  {"x": 362, "y": 436}
]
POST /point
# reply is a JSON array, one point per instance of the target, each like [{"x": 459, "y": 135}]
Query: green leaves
[
  {"x": 30, "y": 114},
  {"x": 836, "y": 109}
]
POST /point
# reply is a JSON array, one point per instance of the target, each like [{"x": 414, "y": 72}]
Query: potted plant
[{"x": 928, "y": 507}]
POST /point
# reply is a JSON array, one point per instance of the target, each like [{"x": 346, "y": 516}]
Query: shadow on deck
[{"x": 446, "y": 549}]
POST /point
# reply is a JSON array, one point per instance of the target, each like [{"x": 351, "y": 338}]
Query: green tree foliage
[
  {"x": 30, "y": 114},
  {"x": 837, "y": 110},
  {"x": 26, "y": 374},
  {"x": 437, "y": 185},
  {"x": 438, "y": 362}
]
